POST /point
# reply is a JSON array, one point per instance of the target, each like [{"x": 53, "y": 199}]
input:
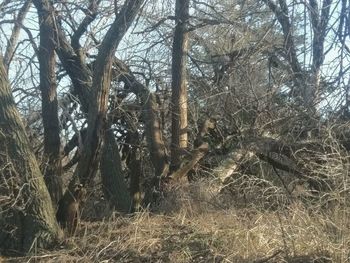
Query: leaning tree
[{"x": 27, "y": 217}]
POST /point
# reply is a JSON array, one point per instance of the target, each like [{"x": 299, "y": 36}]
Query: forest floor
[{"x": 195, "y": 228}]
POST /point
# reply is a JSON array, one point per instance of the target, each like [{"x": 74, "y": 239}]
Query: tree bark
[
  {"x": 27, "y": 217},
  {"x": 154, "y": 135},
  {"x": 114, "y": 185},
  {"x": 51, "y": 166},
  {"x": 134, "y": 165},
  {"x": 88, "y": 162},
  {"x": 150, "y": 118},
  {"x": 90, "y": 158},
  {"x": 179, "y": 137},
  {"x": 197, "y": 155}
]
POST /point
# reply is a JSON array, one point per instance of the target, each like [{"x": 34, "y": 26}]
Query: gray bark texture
[{"x": 27, "y": 218}]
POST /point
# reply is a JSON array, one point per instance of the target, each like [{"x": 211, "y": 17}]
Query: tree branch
[{"x": 11, "y": 44}]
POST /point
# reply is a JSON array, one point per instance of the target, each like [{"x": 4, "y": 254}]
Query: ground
[{"x": 192, "y": 228}]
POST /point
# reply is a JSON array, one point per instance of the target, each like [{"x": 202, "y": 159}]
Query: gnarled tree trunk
[
  {"x": 51, "y": 166},
  {"x": 97, "y": 115},
  {"x": 27, "y": 218}
]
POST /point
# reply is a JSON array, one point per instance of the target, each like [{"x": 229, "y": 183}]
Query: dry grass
[{"x": 194, "y": 228}]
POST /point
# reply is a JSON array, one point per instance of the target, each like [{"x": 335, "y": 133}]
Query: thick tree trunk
[
  {"x": 133, "y": 162},
  {"x": 51, "y": 167},
  {"x": 27, "y": 218},
  {"x": 90, "y": 158},
  {"x": 114, "y": 186},
  {"x": 88, "y": 162},
  {"x": 179, "y": 84}
]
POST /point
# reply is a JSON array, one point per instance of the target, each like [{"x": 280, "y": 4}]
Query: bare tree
[
  {"x": 27, "y": 216},
  {"x": 11, "y": 45},
  {"x": 179, "y": 102},
  {"x": 101, "y": 81},
  {"x": 52, "y": 166},
  {"x": 307, "y": 85}
]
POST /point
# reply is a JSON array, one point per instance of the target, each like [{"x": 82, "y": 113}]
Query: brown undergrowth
[{"x": 192, "y": 224}]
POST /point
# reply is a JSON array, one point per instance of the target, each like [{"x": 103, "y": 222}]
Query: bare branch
[
  {"x": 91, "y": 14},
  {"x": 15, "y": 33}
]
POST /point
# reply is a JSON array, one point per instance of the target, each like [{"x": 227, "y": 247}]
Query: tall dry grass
[
  {"x": 194, "y": 227},
  {"x": 255, "y": 218}
]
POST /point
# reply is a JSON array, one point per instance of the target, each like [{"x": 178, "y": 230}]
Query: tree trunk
[
  {"x": 319, "y": 22},
  {"x": 88, "y": 162},
  {"x": 150, "y": 118},
  {"x": 114, "y": 185},
  {"x": 179, "y": 84},
  {"x": 52, "y": 166},
  {"x": 154, "y": 135},
  {"x": 27, "y": 217},
  {"x": 90, "y": 158},
  {"x": 80, "y": 75},
  {"x": 133, "y": 162},
  {"x": 197, "y": 155},
  {"x": 201, "y": 149}
]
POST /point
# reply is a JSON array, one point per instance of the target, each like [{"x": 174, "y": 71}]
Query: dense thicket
[{"x": 148, "y": 93}]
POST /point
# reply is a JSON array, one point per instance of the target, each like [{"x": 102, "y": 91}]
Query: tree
[
  {"x": 114, "y": 186},
  {"x": 27, "y": 216},
  {"x": 11, "y": 45},
  {"x": 52, "y": 166},
  {"x": 97, "y": 114},
  {"x": 179, "y": 137},
  {"x": 307, "y": 86}
]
